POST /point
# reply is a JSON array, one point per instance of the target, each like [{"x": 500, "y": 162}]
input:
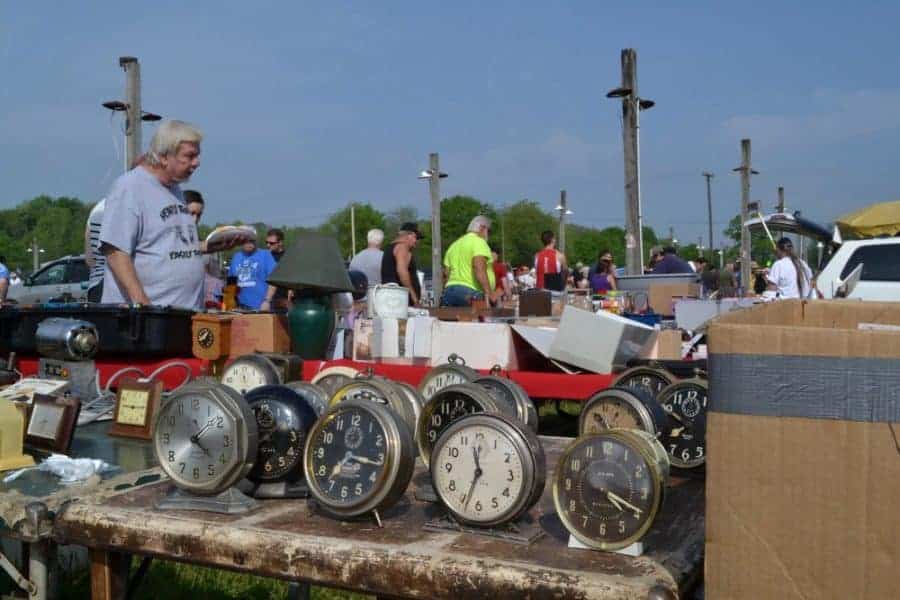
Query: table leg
[
  {"x": 298, "y": 591},
  {"x": 109, "y": 574},
  {"x": 39, "y": 554}
]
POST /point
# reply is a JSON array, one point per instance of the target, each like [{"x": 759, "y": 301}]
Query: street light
[
  {"x": 434, "y": 175},
  {"x": 563, "y": 213},
  {"x": 36, "y": 251}
]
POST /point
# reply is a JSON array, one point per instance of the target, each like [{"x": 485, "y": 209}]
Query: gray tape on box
[{"x": 814, "y": 387}]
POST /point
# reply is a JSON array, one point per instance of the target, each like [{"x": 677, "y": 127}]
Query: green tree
[
  {"x": 58, "y": 225},
  {"x": 761, "y": 249},
  {"x": 397, "y": 217},
  {"x": 338, "y": 226},
  {"x": 519, "y": 229}
]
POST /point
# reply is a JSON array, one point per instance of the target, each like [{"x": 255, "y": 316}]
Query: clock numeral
[
  {"x": 511, "y": 477},
  {"x": 211, "y": 470},
  {"x": 452, "y": 485},
  {"x": 436, "y": 420},
  {"x": 432, "y": 435},
  {"x": 373, "y": 476},
  {"x": 180, "y": 409},
  {"x": 445, "y": 408},
  {"x": 459, "y": 404},
  {"x": 196, "y": 473},
  {"x": 195, "y": 403},
  {"x": 584, "y": 520},
  {"x": 607, "y": 448},
  {"x": 495, "y": 443},
  {"x": 576, "y": 465},
  {"x": 638, "y": 472},
  {"x": 355, "y": 419},
  {"x": 328, "y": 437},
  {"x": 453, "y": 452},
  {"x": 344, "y": 491},
  {"x": 621, "y": 526},
  {"x": 448, "y": 467},
  {"x": 320, "y": 452},
  {"x": 339, "y": 424},
  {"x": 170, "y": 421},
  {"x": 602, "y": 528},
  {"x": 505, "y": 492},
  {"x": 331, "y": 485},
  {"x": 589, "y": 452},
  {"x": 222, "y": 458},
  {"x": 226, "y": 441},
  {"x": 322, "y": 470},
  {"x": 568, "y": 484},
  {"x": 645, "y": 492},
  {"x": 381, "y": 457},
  {"x": 494, "y": 503},
  {"x": 479, "y": 435},
  {"x": 290, "y": 451},
  {"x": 685, "y": 454},
  {"x": 508, "y": 457},
  {"x": 463, "y": 440},
  {"x": 358, "y": 490},
  {"x": 165, "y": 437},
  {"x": 699, "y": 451},
  {"x": 478, "y": 506},
  {"x": 220, "y": 422},
  {"x": 379, "y": 441},
  {"x": 181, "y": 467},
  {"x": 171, "y": 456},
  {"x": 571, "y": 506}
]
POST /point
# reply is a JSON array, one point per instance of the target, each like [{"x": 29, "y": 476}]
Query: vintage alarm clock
[
  {"x": 445, "y": 407},
  {"x": 379, "y": 389},
  {"x": 283, "y": 419},
  {"x": 452, "y": 373},
  {"x": 685, "y": 402},
  {"x": 314, "y": 395},
  {"x": 359, "y": 458},
  {"x": 254, "y": 370},
  {"x": 511, "y": 398},
  {"x": 628, "y": 408},
  {"x": 332, "y": 379},
  {"x": 608, "y": 487},
  {"x": 205, "y": 438},
  {"x": 137, "y": 403},
  {"x": 488, "y": 469},
  {"x": 650, "y": 379}
]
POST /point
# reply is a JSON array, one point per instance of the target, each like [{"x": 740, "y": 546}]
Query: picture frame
[
  {"x": 51, "y": 424},
  {"x": 137, "y": 403}
]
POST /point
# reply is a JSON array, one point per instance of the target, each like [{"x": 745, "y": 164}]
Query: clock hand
[
  {"x": 475, "y": 479},
  {"x": 613, "y": 500},
  {"x": 676, "y": 432},
  {"x": 677, "y": 417},
  {"x": 337, "y": 468},
  {"x": 366, "y": 461},
  {"x": 197, "y": 435},
  {"x": 599, "y": 417},
  {"x": 618, "y": 499}
]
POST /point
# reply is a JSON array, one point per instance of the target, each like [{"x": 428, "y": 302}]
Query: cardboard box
[
  {"x": 667, "y": 346},
  {"x": 265, "y": 332},
  {"x": 803, "y": 477},
  {"x": 598, "y": 342},
  {"x": 482, "y": 345},
  {"x": 662, "y": 296},
  {"x": 418, "y": 337},
  {"x": 378, "y": 338}
]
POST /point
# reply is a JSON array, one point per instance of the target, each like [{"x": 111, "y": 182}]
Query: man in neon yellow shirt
[{"x": 469, "y": 265}]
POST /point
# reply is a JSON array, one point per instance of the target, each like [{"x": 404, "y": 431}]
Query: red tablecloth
[
  {"x": 108, "y": 367},
  {"x": 538, "y": 385}
]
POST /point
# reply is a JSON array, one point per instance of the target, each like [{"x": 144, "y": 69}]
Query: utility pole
[
  {"x": 746, "y": 170},
  {"x": 434, "y": 187},
  {"x": 672, "y": 239},
  {"x": 780, "y": 206},
  {"x": 133, "y": 111},
  {"x": 562, "y": 221},
  {"x": 634, "y": 242},
  {"x": 35, "y": 250},
  {"x": 709, "y": 176},
  {"x": 352, "y": 229}
]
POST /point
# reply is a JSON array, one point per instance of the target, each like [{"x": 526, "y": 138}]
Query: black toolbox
[{"x": 147, "y": 331}]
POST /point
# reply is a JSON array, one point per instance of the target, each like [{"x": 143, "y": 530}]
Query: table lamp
[{"x": 313, "y": 268}]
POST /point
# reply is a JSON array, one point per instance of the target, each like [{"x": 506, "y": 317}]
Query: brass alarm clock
[
  {"x": 629, "y": 408},
  {"x": 685, "y": 403},
  {"x": 359, "y": 458},
  {"x": 254, "y": 370},
  {"x": 512, "y": 399},
  {"x": 650, "y": 379},
  {"x": 452, "y": 373},
  {"x": 379, "y": 389},
  {"x": 445, "y": 407},
  {"x": 608, "y": 487},
  {"x": 332, "y": 379}
]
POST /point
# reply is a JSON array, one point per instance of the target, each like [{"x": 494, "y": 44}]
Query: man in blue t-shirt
[
  {"x": 671, "y": 263},
  {"x": 4, "y": 280},
  {"x": 252, "y": 268}
]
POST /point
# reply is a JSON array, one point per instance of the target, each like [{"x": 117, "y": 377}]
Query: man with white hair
[
  {"x": 469, "y": 265},
  {"x": 150, "y": 240},
  {"x": 368, "y": 261}
]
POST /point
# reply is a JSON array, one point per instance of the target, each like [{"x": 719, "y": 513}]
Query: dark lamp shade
[{"x": 313, "y": 263}]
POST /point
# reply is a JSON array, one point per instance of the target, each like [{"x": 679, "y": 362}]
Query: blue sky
[{"x": 308, "y": 106}]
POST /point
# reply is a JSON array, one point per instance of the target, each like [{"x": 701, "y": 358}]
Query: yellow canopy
[{"x": 877, "y": 219}]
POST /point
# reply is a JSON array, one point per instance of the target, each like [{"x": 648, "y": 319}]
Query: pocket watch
[
  {"x": 650, "y": 379},
  {"x": 445, "y": 407},
  {"x": 512, "y": 399},
  {"x": 608, "y": 487},
  {"x": 334, "y": 378},
  {"x": 255, "y": 370},
  {"x": 488, "y": 469},
  {"x": 685, "y": 403},
  {"x": 205, "y": 438},
  {"x": 379, "y": 389},
  {"x": 628, "y": 408},
  {"x": 452, "y": 373},
  {"x": 314, "y": 395},
  {"x": 283, "y": 419},
  {"x": 359, "y": 458}
]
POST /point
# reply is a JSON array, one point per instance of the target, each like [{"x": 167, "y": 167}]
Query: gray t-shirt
[
  {"x": 369, "y": 262},
  {"x": 151, "y": 223},
  {"x": 95, "y": 222}
]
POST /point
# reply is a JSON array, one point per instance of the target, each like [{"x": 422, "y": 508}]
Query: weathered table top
[
  {"x": 287, "y": 539},
  {"x": 133, "y": 461}
]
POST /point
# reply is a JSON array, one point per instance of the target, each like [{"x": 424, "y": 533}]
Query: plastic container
[
  {"x": 123, "y": 331},
  {"x": 651, "y": 319}
]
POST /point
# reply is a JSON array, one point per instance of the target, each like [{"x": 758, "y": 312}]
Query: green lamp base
[{"x": 311, "y": 321}]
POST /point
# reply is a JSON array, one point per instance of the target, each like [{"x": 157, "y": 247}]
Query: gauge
[
  {"x": 650, "y": 379},
  {"x": 608, "y": 487},
  {"x": 283, "y": 418},
  {"x": 512, "y": 399},
  {"x": 452, "y": 373},
  {"x": 334, "y": 378},
  {"x": 446, "y": 406},
  {"x": 250, "y": 371},
  {"x": 488, "y": 469},
  {"x": 685, "y": 403},
  {"x": 629, "y": 408},
  {"x": 381, "y": 390},
  {"x": 205, "y": 437},
  {"x": 314, "y": 395},
  {"x": 359, "y": 458}
]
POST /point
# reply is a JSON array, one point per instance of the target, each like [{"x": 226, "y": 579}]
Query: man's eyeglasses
[{"x": 271, "y": 243}]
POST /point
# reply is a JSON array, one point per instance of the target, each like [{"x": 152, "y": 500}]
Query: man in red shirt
[
  {"x": 501, "y": 276},
  {"x": 550, "y": 265}
]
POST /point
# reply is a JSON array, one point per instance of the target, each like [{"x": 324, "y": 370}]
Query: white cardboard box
[
  {"x": 481, "y": 345},
  {"x": 599, "y": 341},
  {"x": 377, "y": 338},
  {"x": 418, "y": 337}
]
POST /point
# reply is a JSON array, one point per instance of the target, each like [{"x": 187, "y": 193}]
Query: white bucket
[{"x": 388, "y": 300}]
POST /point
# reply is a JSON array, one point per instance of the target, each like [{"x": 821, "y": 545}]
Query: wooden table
[{"x": 287, "y": 539}]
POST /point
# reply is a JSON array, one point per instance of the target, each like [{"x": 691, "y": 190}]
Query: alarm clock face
[
  {"x": 334, "y": 378},
  {"x": 205, "y": 438},
  {"x": 625, "y": 408},
  {"x": 445, "y": 407},
  {"x": 608, "y": 488},
  {"x": 384, "y": 391},
  {"x": 314, "y": 395},
  {"x": 249, "y": 372},
  {"x": 133, "y": 407},
  {"x": 487, "y": 469},
  {"x": 649, "y": 379},
  {"x": 358, "y": 458},
  {"x": 446, "y": 375},
  {"x": 283, "y": 419},
  {"x": 511, "y": 398},
  {"x": 205, "y": 337},
  {"x": 685, "y": 403}
]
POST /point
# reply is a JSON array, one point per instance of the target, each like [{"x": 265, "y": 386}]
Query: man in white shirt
[
  {"x": 368, "y": 261},
  {"x": 790, "y": 277}
]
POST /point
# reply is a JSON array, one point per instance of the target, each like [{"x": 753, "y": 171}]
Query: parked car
[{"x": 63, "y": 279}]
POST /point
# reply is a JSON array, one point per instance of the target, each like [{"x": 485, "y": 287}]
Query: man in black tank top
[{"x": 398, "y": 265}]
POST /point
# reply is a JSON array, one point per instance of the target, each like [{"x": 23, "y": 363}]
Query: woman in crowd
[
  {"x": 790, "y": 276},
  {"x": 602, "y": 276}
]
